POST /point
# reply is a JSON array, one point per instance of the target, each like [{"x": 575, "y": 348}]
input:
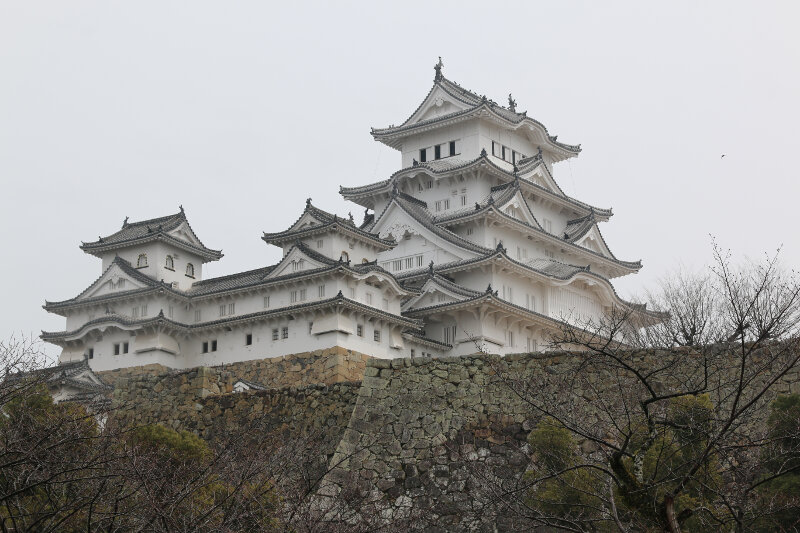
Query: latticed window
[
  {"x": 141, "y": 262},
  {"x": 190, "y": 270},
  {"x": 170, "y": 264}
]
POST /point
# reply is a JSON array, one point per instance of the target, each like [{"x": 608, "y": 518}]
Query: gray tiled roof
[
  {"x": 161, "y": 320},
  {"x": 328, "y": 222},
  {"x": 473, "y": 103},
  {"x": 530, "y": 164},
  {"x": 155, "y": 228},
  {"x": 417, "y": 209}
]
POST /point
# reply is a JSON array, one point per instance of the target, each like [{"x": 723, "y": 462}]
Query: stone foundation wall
[
  {"x": 327, "y": 366},
  {"x": 427, "y": 434}
]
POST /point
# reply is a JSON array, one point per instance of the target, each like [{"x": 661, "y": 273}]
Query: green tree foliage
[
  {"x": 563, "y": 486},
  {"x": 781, "y": 495}
]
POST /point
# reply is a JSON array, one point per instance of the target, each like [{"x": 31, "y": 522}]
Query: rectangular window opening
[{"x": 248, "y": 339}]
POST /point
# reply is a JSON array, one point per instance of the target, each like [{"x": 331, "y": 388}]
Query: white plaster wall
[{"x": 465, "y": 134}]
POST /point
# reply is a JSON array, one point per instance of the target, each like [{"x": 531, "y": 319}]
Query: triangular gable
[
  {"x": 396, "y": 222},
  {"x": 438, "y": 102},
  {"x": 294, "y": 262},
  {"x": 542, "y": 178},
  {"x": 184, "y": 233},
  {"x": 306, "y": 220},
  {"x": 109, "y": 282},
  {"x": 517, "y": 207},
  {"x": 592, "y": 240},
  {"x": 433, "y": 293}
]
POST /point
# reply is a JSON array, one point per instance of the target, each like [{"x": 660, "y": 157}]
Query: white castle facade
[{"x": 471, "y": 245}]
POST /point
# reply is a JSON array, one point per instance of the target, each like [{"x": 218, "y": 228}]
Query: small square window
[
  {"x": 248, "y": 339},
  {"x": 285, "y": 332},
  {"x": 274, "y": 334}
]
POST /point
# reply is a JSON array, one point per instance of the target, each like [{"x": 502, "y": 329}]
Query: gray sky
[{"x": 241, "y": 110}]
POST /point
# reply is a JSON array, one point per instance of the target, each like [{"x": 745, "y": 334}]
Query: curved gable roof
[{"x": 133, "y": 233}]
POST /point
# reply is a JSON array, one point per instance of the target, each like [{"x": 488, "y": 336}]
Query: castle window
[
  {"x": 285, "y": 332},
  {"x": 144, "y": 310},
  {"x": 447, "y": 204},
  {"x": 293, "y": 297},
  {"x": 430, "y": 184},
  {"x": 449, "y": 334},
  {"x": 345, "y": 257},
  {"x": 510, "y": 339},
  {"x": 205, "y": 347},
  {"x": 412, "y": 353},
  {"x": 452, "y": 148},
  {"x": 319, "y": 243},
  {"x": 135, "y": 312},
  {"x": 397, "y": 264},
  {"x": 302, "y": 295},
  {"x": 438, "y": 205},
  {"x": 170, "y": 264},
  {"x": 124, "y": 347},
  {"x": 437, "y": 151},
  {"x": 469, "y": 231},
  {"x": 376, "y": 335},
  {"x": 248, "y": 339},
  {"x": 423, "y": 155},
  {"x": 142, "y": 261},
  {"x": 275, "y": 334},
  {"x": 419, "y": 260},
  {"x": 360, "y": 330},
  {"x": 409, "y": 261},
  {"x": 197, "y": 315},
  {"x": 368, "y": 298},
  {"x": 232, "y": 308},
  {"x": 463, "y": 199},
  {"x": 266, "y": 302},
  {"x": 121, "y": 284},
  {"x": 222, "y": 310},
  {"x": 214, "y": 346},
  {"x": 190, "y": 270},
  {"x": 116, "y": 348},
  {"x": 548, "y": 253},
  {"x": 321, "y": 291},
  {"x": 90, "y": 353},
  {"x": 170, "y": 311}
]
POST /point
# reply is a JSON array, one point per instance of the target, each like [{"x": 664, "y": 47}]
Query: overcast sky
[{"x": 239, "y": 111}]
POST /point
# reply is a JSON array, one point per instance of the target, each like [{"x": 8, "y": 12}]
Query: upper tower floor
[
  {"x": 164, "y": 248},
  {"x": 457, "y": 124}
]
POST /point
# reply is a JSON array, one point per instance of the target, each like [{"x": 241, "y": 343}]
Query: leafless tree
[{"x": 668, "y": 410}]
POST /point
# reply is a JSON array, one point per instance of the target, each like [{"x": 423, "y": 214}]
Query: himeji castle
[{"x": 471, "y": 245}]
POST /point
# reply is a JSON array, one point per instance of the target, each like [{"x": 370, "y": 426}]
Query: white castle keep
[{"x": 470, "y": 245}]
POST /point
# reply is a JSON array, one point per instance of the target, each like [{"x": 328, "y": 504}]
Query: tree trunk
[{"x": 669, "y": 512}]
